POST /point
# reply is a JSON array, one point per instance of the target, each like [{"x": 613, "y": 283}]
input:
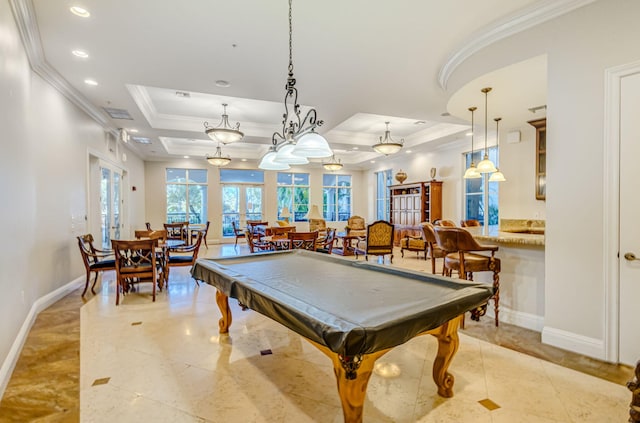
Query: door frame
[
  {"x": 242, "y": 198},
  {"x": 611, "y": 197}
]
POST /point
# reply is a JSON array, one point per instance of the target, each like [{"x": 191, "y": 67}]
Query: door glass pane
[
  {"x": 344, "y": 180},
  {"x": 176, "y": 203},
  {"x": 253, "y": 203},
  {"x": 105, "y": 207},
  {"x": 197, "y": 203},
  {"x": 116, "y": 205},
  {"x": 301, "y": 204},
  {"x": 230, "y": 209},
  {"x": 329, "y": 180},
  {"x": 344, "y": 203},
  {"x": 329, "y": 204}
]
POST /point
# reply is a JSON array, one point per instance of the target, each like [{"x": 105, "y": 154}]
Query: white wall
[
  {"x": 156, "y": 202},
  {"x": 43, "y": 169},
  {"x": 579, "y": 47}
]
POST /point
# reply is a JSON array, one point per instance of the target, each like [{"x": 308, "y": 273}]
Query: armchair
[
  {"x": 356, "y": 226},
  {"x": 94, "y": 260},
  {"x": 379, "y": 240},
  {"x": 135, "y": 263}
]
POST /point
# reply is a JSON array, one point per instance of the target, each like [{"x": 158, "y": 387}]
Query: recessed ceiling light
[
  {"x": 243, "y": 160},
  {"x": 372, "y": 161},
  {"x": 469, "y": 134},
  {"x": 354, "y": 148},
  {"x": 222, "y": 83},
  {"x": 133, "y": 130},
  {"x": 186, "y": 157},
  {"x": 80, "y": 53},
  {"x": 90, "y": 82},
  {"x": 408, "y": 151},
  {"x": 419, "y": 122},
  {"x": 79, "y": 11}
]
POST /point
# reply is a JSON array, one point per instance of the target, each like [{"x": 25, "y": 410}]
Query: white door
[
  {"x": 239, "y": 204},
  {"x": 111, "y": 205},
  {"x": 629, "y": 348}
]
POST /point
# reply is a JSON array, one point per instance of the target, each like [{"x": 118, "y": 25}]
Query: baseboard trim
[
  {"x": 518, "y": 318},
  {"x": 40, "y": 304},
  {"x": 573, "y": 342}
]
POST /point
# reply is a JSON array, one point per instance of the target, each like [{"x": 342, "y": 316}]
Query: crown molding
[
  {"x": 514, "y": 23},
  {"x": 25, "y": 17}
]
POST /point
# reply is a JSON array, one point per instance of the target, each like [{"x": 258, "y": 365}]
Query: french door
[
  {"x": 240, "y": 202},
  {"x": 111, "y": 205}
]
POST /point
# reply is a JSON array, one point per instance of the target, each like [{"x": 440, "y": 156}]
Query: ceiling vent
[
  {"x": 183, "y": 94},
  {"x": 117, "y": 113},
  {"x": 141, "y": 140}
]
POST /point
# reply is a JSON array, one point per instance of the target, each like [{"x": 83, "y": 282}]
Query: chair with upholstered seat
[
  {"x": 462, "y": 256},
  {"x": 469, "y": 223},
  {"x": 185, "y": 255},
  {"x": 194, "y": 233},
  {"x": 302, "y": 240},
  {"x": 135, "y": 263},
  {"x": 414, "y": 243},
  {"x": 237, "y": 232},
  {"x": 257, "y": 228},
  {"x": 177, "y": 230},
  {"x": 379, "y": 240},
  {"x": 433, "y": 251},
  {"x": 326, "y": 245},
  {"x": 257, "y": 245},
  {"x": 94, "y": 260},
  {"x": 445, "y": 222},
  {"x": 356, "y": 226}
]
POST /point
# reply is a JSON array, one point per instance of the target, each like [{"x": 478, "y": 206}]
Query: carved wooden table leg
[
  {"x": 634, "y": 387},
  {"x": 448, "y": 342},
  {"x": 352, "y": 377},
  {"x": 223, "y": 304}
]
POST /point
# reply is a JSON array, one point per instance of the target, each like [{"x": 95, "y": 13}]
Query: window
[
  {"x": 336, "y": 197},
  {"x": 474, "y": 198},
  {"x": 293, "y": 193},
  {"x": 187, "y": 195},
  {"x": 383, "y": 180},
  {"x": 241, "y": 197}
]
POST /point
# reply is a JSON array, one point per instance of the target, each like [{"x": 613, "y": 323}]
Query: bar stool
[{"x": 461, "y": 255}]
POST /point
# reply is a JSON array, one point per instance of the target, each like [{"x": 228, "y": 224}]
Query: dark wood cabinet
[
  {"x": 412, "y": 204},
  {"x": 541, "y": 157}
]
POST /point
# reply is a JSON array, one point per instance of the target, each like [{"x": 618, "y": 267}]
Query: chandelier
[
  {"x": 224, "y": 132},
  {"x": 333, "y": 164},
  {"x": 486, "y": 165},
  {"x": 387, "y": 145},
  {"x": 472, "y": 171},
  {"x": 297, "y": 140},
  {"x": 217, "y": 159}
]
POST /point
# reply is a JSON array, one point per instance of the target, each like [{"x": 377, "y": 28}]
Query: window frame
[
  {"x": 486, "y": 192},
  {"x": 337, "y": 188},
  {"x": 298, "y": 210},
  {"x": 187, "y": 184},
  {"x": 383, "y": 197}
]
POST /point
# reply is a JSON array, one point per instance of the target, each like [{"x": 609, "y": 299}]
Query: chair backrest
[
  {"x": 302, "y": 240},
  {"x": 159, "y": 234},
  {"x": 135, "y": 258},
  {"x": 445, "y": 222},
  {"x": 148, "y": 226},
  {"x": 87, "y": 250},
  {"x": 249, "y": 236},
  {"x": 326, "y": 245},
  {"x": 176, "y": 230},
  {"x": 356, "y": 223},
  {"x": 456, "y": 239},
  {"x": 317, "y": 225},
  {"x": 281, "y": 230},
  {"x": 469, "y": 223},
  {"x": 380, "y": 234},
  {"x": 428, "y": 232},
  {"x": 236, "y": 229},
  {"x": 205, "y": 230}
]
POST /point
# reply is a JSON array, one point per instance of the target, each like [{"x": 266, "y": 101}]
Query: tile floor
[{"x": 166, "y": 362}]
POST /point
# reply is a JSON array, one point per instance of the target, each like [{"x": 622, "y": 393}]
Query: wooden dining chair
[
  {"x": 194, "y": 233},
  {"x": 469, "y": 223},
  {"x": 256, "y": 245},
  {"x": 445, "y": 222},
  {"x": 462, "y": 256},
  {"x": 433, "y": 249},
  {"x": 177, "y": 230},
  {"x": 379, "y": 240},
  {"x": 237, "y": 232},
  {"x": 302, "y": 240},
  {"x": 94, "y": 260},
  {"x": 326, "y": 245},
  {"x": 185, "y": 255},
  {"x": 135, "y": 263}
]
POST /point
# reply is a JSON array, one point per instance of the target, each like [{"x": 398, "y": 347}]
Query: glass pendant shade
[
  {"x": 217, "y": 159},
  {"x": 486, "y": 165},
  {"x": 333, "y": 164},
  {"x": 497, "y": 176},
  {"x": 267, "y": 162},
  {"x": 312, "y": 145},
  {"x": 284, "y": 155},
  {"x": 472, "y": 172},
  {"x": 224, "y": 132}
]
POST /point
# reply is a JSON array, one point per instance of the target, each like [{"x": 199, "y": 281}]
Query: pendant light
[
  {"x": 387, "y": 145},
  {"x": 472, "y": 171},
  {"x": 217, "y": 159},
  {"x": 224, "y": 132},
  {"x": 333, "y": 164},
  {"x": 486, "y": 165},
  {"x": 267, "y": 162},
  {"x": 497, "y": 176}
]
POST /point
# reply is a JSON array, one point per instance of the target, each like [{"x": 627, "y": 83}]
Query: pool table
[{"x": 353, "y": 311}]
